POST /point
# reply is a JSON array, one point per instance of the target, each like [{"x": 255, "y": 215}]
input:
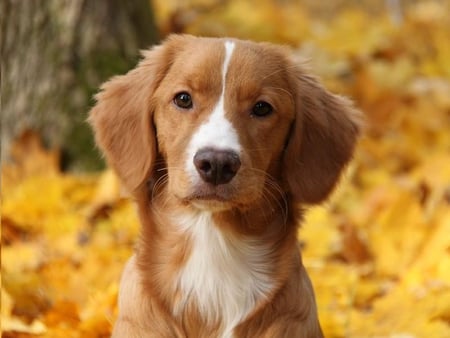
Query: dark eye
[
  {"x": 183, "y": 100},
  {"x": 262, "y": 109}
]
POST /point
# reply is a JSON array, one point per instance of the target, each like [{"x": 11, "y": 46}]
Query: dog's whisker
[{"x": 274, "y": 192}]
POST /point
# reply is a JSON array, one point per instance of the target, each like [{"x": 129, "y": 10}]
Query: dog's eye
[
  {"x": 183, "y": 100},
  {"x": 261, "y": 109}
]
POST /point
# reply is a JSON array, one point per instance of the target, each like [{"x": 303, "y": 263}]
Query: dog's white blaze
[
  {"x": 225, "y": 276},
  {"x": 217, "y": 132}
]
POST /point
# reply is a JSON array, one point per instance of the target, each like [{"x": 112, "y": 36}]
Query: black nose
[{"x": 216, "y": 166}]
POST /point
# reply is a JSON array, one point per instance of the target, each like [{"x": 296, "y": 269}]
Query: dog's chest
[{"x": 225, "y": 276}]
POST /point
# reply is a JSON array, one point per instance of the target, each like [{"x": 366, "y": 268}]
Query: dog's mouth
[
  {"x": 210, "y": 205},
  {"x": 214, "y": 199},
  {"x": 208, "y": 197},
  {"x": 211, "y": 202}
]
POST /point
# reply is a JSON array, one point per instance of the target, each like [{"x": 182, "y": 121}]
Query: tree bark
[{"x": 54, "y": 55}]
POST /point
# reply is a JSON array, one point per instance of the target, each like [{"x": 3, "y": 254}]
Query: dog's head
[{"x": 221, "y": 122}]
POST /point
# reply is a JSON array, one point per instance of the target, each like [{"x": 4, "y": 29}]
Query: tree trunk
[{"x": 55, "y": 54}]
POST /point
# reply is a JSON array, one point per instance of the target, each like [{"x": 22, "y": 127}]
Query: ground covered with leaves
[{"x": 378, "y": 252}]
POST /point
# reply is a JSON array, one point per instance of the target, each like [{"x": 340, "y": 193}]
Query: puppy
[{"x": 219, "y": 141}]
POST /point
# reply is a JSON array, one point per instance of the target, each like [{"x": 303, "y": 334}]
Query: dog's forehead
[
  {"x": 201, "y": 59},
  {"x": 197, "y": 54},
  {"x": 257, "y": 60}
]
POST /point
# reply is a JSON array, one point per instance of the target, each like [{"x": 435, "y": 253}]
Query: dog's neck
[{"x": 221, "y": 266}]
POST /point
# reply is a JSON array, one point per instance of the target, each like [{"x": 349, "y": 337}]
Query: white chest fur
[{"x": 225, "y": 276}]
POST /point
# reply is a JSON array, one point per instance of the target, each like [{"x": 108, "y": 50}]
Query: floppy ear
[
  {"x": 122, "y": 118},
  {"x": 321, "y": 142}
]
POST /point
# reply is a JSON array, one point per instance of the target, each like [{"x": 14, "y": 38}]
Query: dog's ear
[
  {"x": 122, "y": 118},
  {"x": 321, "y": 141}
]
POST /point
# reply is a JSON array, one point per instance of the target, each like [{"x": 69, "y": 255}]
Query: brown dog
[{"x": 219, "y": 141}]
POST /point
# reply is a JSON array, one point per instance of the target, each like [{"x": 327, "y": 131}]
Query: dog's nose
[{"x": 216, "y": 166}]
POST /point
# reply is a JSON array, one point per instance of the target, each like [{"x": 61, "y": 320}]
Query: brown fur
[{"x": 294, "y": 156}]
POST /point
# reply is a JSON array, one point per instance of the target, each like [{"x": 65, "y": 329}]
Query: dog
[{"x": 220, "y": 142}]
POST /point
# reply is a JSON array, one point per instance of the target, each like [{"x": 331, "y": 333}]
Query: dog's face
[
  {"x": 221, "y": 123},
  {"x": 222, "y": 119}
]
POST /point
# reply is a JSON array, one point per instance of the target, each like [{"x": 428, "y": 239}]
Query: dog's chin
[
  {"x": 208, "y": 201},
  {"x": 217, "y": 198},
  {"x": 216, "y": 202},
  {"x": 210, "y": 204}
]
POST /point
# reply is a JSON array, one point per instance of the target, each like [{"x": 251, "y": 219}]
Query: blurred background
[{"x": 378, "y": 252}]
